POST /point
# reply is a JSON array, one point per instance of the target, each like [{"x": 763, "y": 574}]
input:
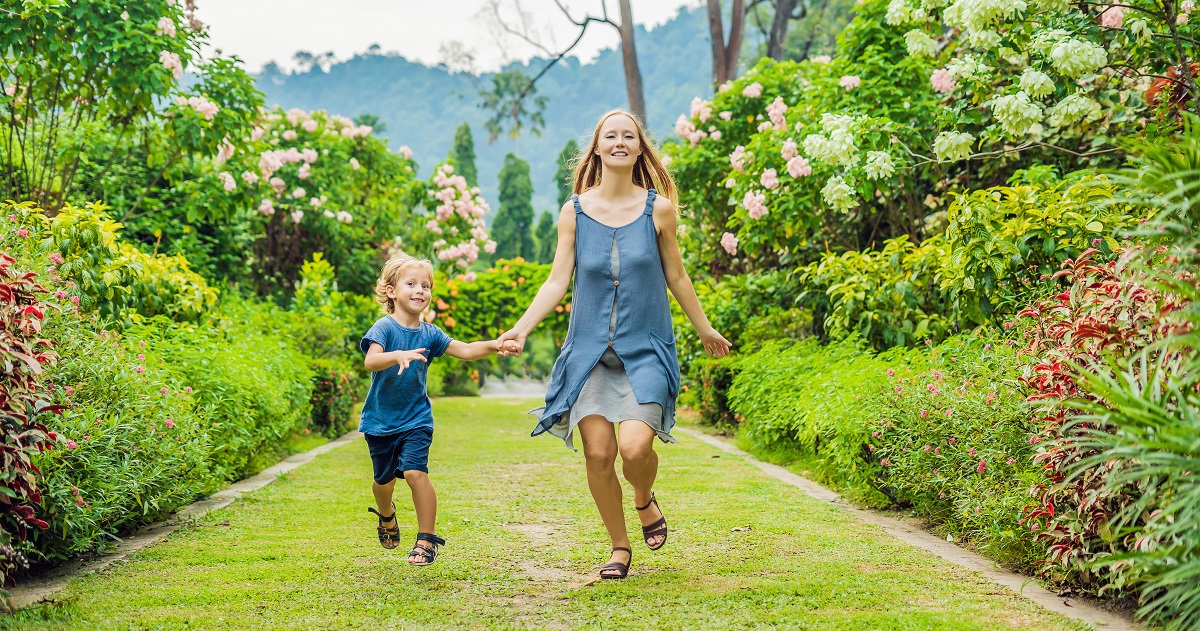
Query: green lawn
[{"x": 524, "y": 543}]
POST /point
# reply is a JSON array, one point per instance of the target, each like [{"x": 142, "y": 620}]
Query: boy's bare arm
[
  {"x": 378, "y": 360},
  {"x": 475, "y": 350}
]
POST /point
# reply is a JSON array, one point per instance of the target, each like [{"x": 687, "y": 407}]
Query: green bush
[
  {"x": 707, "y": 389},
  {"x": 334, "y": 398}
]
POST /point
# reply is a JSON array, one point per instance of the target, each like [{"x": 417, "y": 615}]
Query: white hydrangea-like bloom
[
  {"x": 1140, "y": 29},
  {"x": 1052, "y": 6},
  {"x": 898, "y": 13},
  {"x": 930, "y": 5},
  {"x": 983, "y": 40},
  {"x": 1074, "y": 58},
  {"x": 838, "y": 194},
  {"x": 918, "y": 15},
  {"x": 950, "y": 146},
  {"x": 879, "y": 165},
  {"x": 979, "y": 15},
  {"x": 1016, "y": 113},
  {"x": 968, "y": 68},
  {"x": 1072, "y": 109},
  {"x": 836, "y": 146},
  {"x": 920, "y": 44},
  {"x": 1037, "y": 84}
]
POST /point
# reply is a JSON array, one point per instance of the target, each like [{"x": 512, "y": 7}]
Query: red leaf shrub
[
  {"x": 1110, "y": 308},
  {"x": 23, "y": 352}
]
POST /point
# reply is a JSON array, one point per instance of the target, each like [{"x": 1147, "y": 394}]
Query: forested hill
[{"x": 421, "y": 105}]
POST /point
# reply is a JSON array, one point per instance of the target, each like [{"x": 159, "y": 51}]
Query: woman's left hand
[{"x": 714, "y": 343}]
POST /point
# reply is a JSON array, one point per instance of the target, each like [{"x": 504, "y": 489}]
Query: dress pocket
[{"x": 670, "y": 361}]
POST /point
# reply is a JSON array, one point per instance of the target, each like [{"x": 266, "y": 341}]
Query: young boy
[{"x": 397, "y": 418}]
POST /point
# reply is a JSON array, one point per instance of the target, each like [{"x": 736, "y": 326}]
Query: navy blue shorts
[{"x": 393, "y": 454}]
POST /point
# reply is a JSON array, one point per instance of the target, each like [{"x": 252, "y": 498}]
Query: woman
[{"x": 618, "y": 367}]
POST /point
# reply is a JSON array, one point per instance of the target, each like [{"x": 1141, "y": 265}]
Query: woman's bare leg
[
  {"x": 600, "y": 454},
  {"x": 639, "y": 465}
]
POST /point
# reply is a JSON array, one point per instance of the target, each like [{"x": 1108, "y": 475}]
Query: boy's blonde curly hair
[{"x": 391, "y": 272}]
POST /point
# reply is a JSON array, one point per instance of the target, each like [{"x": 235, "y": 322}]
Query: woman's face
[{"x": 618, "y": 146}]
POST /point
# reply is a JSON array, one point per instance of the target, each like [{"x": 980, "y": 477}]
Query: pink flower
[
  {"x": 982, "y": 466},
  {"x": 56, "y": 258},
  {"x": 941, "y": 496},
  {"x": 297, "y": 215},
  {"x": 309, "y": 155},
  {"x": 928, "y": 448},
  {"x": 309, "y": 125},
  {"x": 987, "y": 347},
  {"x": 1012, "y": 461},
  {"x": 290, "y": 135},
  {"x": 22, "y": 232},
  {"x": 754, "y": 90},
  {"x": 850, "y": 82},
  {"x": 991, "y": 396},
  {"x": 891, "y": 372},
  {"x": 876, "y": 434},
  {"x": 798, "y": 167},
  {"x": 71, "y": 444},
  {"x": 250, "y": 177},
  {"x": 140, "y": 369},
  {"x": 729, "y": 242},
  {"x": 406, "y": 152},
  {"x": 166, "y": 26},
  {"x": 755, "y": 203},
  {"x": 737, "y": 158},
  {"x": 726, "y": 115},
  {"x": 470, "y": 277},
  {"x": 1187, "y": 6},
  {"x": 770, "y": 179},
  {"x": 75, "y": 299},
  {"x": 953, "y": 440},
  {"x": 69, "y": 390},
  {"x": 171, "y": 62},
  {"x": 278, "y": 184},
  {"x": 1034, "y": 526},
  {"x": 937, "y": 451},
  {"x": 298, "y": 193},
  {"x": 141, "y": 357},
  {"x": 949, "y": 412},
  {"x": 715, "y": 135},
  {"x": 790, "y": 149},
  {"x": 188, "y": 389},
  {"x": 971, "y": 451},
  {"x": 227, "y": 180},
  {"x": 942, "y": 81},
  {"x": 924, "y": 413},
  {"x": 775, "y": 112},
  {"x": 490, "y": 247},
  {"x": 60, "y": 294},
  {"x": 303, "y": 172},
  {"x": 885, "y": 462},
  {"x": 164, "y": 390},
  {"x": 354, "y": 164},
  {"x": 169, "y": 423},
  {"x": 1114, "y": 16}
]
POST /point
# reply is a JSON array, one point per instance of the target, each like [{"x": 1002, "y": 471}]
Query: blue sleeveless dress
[{"x": 639, "y": 333}]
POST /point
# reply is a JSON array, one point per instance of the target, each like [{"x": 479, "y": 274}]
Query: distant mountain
[{"x": 423, "y": 105}]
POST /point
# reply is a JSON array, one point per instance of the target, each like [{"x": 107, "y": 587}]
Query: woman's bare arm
[
  {"x": 552, "y": 292},
  {"x": 678, "y": 281}
]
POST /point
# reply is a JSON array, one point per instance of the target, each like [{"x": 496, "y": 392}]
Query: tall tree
[
  {"x": 564, "y": 176},
  {"x": 546, "y": 235},
  {"x": 725, "y": 55},
  {"x": 512, "y": 228},
  {"x": 633, "y": 75},
  {"x": 463, "y": 154},
  {"x": 779, "y": 28}
]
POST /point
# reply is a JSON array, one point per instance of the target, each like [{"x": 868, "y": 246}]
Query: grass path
[{"x": 524, "y": 541}]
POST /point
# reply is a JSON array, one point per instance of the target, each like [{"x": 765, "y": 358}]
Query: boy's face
[{"x": 411, "y": 292}]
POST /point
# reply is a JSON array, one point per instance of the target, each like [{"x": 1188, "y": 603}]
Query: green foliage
[
  {"x": 545, "y": 238},
  {"x": 462, "y": 154},
  {"x": 564, "y": 175},
  {"x": 511, "y": 230},
  {"x": 512, "y": 102}
]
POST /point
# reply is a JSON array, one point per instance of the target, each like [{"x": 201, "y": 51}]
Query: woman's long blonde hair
[{"x": 648, "y": 171}]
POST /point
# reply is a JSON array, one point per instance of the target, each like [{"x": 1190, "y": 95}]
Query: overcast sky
[{"x": 260, "y": 31}]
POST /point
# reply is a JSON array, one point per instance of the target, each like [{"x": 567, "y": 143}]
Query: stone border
[
  {"x": 43, "y": 586},
  {"x": 1022, "y": 585}
]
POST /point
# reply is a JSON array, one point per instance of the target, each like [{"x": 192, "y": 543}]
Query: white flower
[
  {"x": 838, "y": 194},
  {"x": 1071, "y": 109},
  {"x": 952, "y": 145},
  {"x": 836, "y": 146},
  {"x": 1052, "y": 6},
  {"x": 898, "y": 13},
  {"x": 920, "y": 44},
  {"x": 967, "y": 67},
  {"x": 1037, "y": 84},
  {"x": 1016, "y": 113},
  {"x": 124, "y": 15},
  {"x": 1074, "y": 58},
  {"x": 978, "y": 15},
  {"x": 983, "y": 40},
  {"x": 879, "y": 165}
]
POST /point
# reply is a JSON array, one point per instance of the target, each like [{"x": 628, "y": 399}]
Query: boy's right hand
[
  {"x": 404, "y": 358},
  {"x": 508, "y": 348}
]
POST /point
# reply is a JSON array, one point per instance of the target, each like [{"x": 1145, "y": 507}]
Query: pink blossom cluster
[
  {"x": 754, "y": 90},
  {"x": 266, "y": 207},
  {"x": 227, "y": 181},
  {"x": 201, "y": 104},
  {"x": 770, "y": 179},
  {"x": 687, "y": 130},
  {"x": 405, "y": 152},
  {"x": 701, "y": 109},
  {"x": 295, "y": 115},
  {"x": 459, "y": 203},
  {"x": 738, "y": 157},
  {"x": 354, "y": 164},
  {"x": 272, "y": 160},
  {"x": 790, "y": 149},
  {"x": 798, "y": 166},
  {"x": 225, "y": 152},
  {"x": 309, "y": 125},
  {"x": 357, "y": 131},
  {"x": 726, "y": 115},
  {"x": 165, "y": 26},
  {"x": 466, "y": 253},
  {"x": 775, "y": 111},
  {"x": 344, "y": 216},
  {"x": 942, "y": 81},
  {"x": 171, "y": 62},
  {"x": 755, "y": 203},
  {"x": 1114, "y": 16},
  {"x": 729, "y": 242},
  {"x": 850, "y": 82}
]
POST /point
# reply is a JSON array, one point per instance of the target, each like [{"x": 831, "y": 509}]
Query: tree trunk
[
  {"x": 725, "y": 57},
  {"x": 783, "y": 14},
  {"x": 633, "y": 76}
]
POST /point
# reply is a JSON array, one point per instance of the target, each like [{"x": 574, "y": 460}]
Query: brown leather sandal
[
  {"x": 618, "y": 570},
  {"x": 658, "y": 528}
]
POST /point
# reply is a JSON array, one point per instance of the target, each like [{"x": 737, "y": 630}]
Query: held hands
[
  {"x": 511, "y": 343},
  {"x": 714, "y": 343},
  {"x": 404, "y": 358}
]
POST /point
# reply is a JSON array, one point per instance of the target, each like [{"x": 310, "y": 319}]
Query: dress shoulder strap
[
  {"x": 650, "y": 196},
  {"x": 575, "y": 198}
]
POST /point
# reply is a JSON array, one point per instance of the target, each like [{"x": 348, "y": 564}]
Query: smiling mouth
[{"x": 620, "y": 154}]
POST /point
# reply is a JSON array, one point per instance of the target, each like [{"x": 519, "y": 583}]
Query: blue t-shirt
[{"x": 399, "y": 402}]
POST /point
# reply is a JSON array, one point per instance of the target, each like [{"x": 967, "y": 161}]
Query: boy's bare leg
[
  {"x": 425, "y": 503},
  {"x": 383, "y": 502},
  {"x": 600, "y": 455}
]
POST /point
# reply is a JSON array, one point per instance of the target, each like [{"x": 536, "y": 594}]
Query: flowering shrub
[
  {"x": 23, "y": 400},
  {"x": 454, "y": 232},
  {"x": 334, "y": 399}
]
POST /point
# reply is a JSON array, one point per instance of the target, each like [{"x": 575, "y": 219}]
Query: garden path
[{"x": 746, "y": 551}]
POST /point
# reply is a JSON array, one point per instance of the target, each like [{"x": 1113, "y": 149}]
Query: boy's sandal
[
  {"x": 426, "y": 552},
  {"x": 657, "y": 529},
  {"x": 389, "y": 537},
  {"x": 616, "y": 569}
]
